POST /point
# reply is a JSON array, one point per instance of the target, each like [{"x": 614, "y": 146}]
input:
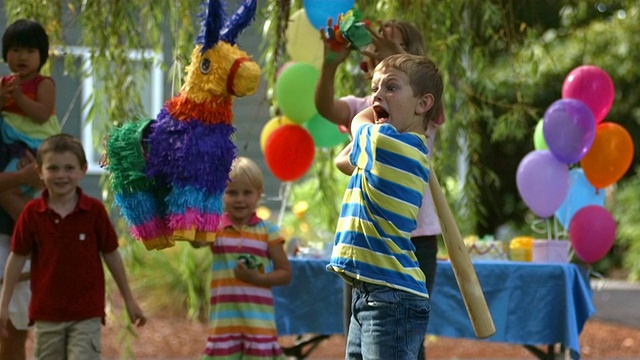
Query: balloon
[
  {"x": 325, "y": 133},
  {"x": 543, "y": 182},
  {"x": 289, "y": 152},
  {"x": 318, "y": 11},
  {"x": 592, "y": 232},
  {"x": 568, "y": 130},
  {"x": 538, "y": 137},
  {"x": 303, "y": 40},
  {"x": 592, "y": 86},
  {"x": 581, "y": 194},
  {"x": 295, "y": 90},
  {"x": 270, "y": 126},
  {"x": 610, "y": 155}
]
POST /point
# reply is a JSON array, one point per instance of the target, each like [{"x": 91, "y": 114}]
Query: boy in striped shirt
[{"x": 387, "y": 160}]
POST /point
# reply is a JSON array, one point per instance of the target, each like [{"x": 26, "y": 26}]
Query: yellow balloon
[
  {"x": 269, "y": 128},
  {"x": 303, "y": 40}
]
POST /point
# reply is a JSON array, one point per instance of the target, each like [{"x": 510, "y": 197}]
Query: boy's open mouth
[{"x": 381, "y": 114}]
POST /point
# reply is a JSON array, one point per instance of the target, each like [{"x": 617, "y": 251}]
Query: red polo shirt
[{"x": 67, "y": 278}]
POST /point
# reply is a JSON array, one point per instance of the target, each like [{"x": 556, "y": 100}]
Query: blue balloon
[
  {"x": 581, "y": 194},
  {"x": 319, "y": 11}
]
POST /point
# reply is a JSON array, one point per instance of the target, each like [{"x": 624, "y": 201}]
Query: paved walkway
[{"x": 617, "y": 301}]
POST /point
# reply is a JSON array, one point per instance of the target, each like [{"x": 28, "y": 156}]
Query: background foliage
[{"x": 503, "y": 61}]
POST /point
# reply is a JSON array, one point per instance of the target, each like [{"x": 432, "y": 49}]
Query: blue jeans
[{"x": 386, "y": 323}]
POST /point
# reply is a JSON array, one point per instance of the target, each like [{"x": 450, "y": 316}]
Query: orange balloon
[{"x": 610, "y": 155}]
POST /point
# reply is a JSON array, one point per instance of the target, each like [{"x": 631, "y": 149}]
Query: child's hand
[
  {"x": 242, "y": 272},
  {"x": 335, "y": 50},
  {"x": 135, "y": 314},
  {"x": 9, "y": 87},
  {"x": 27, "y": 171},
  {"x": 383, "y": 43}
]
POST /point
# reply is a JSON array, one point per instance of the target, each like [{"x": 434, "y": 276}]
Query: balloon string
[
  {"x": 285, "y": 189},
  {"x": 549, "y": 235}
]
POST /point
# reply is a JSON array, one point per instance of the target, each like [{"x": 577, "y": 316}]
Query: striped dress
[
  {"x": 380, "y": 208},
  {"x": 242, "y": 317}
]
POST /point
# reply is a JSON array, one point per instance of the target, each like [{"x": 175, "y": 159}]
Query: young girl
[
  {"x": 242, "y": 319},
  {"x": 393, "y": 37},
  {"x": 27, "y": 98}
]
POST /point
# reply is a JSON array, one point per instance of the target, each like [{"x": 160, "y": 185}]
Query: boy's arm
[
  {"x": 41, "y": 109},
  {"x": 116, "y": 268},
  {"x": 342, "y": 160},
  {"x": 365, "y": 117},
  {"x": 12, "y": 271},
  {"x": 335, "y": 110}
]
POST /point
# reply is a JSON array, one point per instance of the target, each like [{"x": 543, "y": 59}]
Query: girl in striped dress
[{"x": 241, "y": 319}]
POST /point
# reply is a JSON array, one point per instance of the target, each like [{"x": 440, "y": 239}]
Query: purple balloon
[
  {"x": 543, "y": 182},
  {"x": 569, "y": 129}
]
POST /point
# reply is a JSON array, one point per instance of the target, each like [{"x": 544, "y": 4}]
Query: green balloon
[
  {"x": 325, "y": 134},
  {"x": 295, "y": 89},
  {"x": 538, "y": 137}
]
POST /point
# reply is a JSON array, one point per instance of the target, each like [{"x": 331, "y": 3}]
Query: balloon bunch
[
  {"x": 288, "y": 141},
  {"x": 576, "y": 156}
]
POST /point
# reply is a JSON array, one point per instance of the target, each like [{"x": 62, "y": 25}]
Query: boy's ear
[{"x": 425, "y": 103}]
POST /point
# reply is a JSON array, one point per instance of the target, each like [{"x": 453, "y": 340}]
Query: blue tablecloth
[{"x": 531, "y": 303}]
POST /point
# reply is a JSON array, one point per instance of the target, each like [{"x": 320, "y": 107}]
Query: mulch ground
[{"x": 178, "y": 338}]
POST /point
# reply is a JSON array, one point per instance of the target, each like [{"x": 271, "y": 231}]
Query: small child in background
[
  {"x": 65, "y": 233},
  {"x": 27, "y": 98},
  {"x": 242, "y": 317},
  {"x": 389, "y": 171}
]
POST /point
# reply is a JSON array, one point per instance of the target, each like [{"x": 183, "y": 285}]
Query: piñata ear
[
  {"x": 212, "y": 19},
  {"x": 239, "y": 21}
]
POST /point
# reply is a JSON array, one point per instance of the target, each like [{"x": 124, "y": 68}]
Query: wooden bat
[{"x": 463, "y": 270}]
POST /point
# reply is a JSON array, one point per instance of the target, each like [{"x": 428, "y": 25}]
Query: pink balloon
[
  {"x": 592, "y": 231},
  {"x": 592, "y": 86},
  {"x": 543, "y": 182}
]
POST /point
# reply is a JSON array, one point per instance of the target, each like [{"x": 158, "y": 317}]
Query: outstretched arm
[
  {"x": 335, "y": 110},
  {"x": 114, "y": 264}
]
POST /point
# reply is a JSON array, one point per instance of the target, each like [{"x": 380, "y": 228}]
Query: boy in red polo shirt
[{"x": 65, "y": 232}]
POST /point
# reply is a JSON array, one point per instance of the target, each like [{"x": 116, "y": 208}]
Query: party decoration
[
  {"x": 295, "y": 90},
  {"x": 269, "y": 127},
  {"x": 304, "y": 43},
  {"x": 592, "y": 233},
  {"x": 568, "y": 130},
  {"x": 610, "y": 155},
  {"x": 581, "y": 194},
  {"x": 325, "y": 134},
  {"x": 289, "y": 152},
  {"x": 283, "y": 67},
  {"x": 183, "y": 157},
  {"x": 319, "y": 11},
  {"x": 350, "y": 29},
  {"x": 543, "y": 182},
  {"x": 591, "y": 85},
  {"x": 538, "y": 137}
]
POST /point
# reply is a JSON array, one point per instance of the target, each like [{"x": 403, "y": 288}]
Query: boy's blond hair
[
  {"x": 424, "y": 78},
  {"x": 60, "y": 143},
  {"x": 247, "y": 169}
]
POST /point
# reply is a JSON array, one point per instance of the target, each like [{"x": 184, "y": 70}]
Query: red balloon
[
  {"x": 289, "y": 152},
  {"x": 592, "y": 232},
  {"x": 591, "y": 85}
]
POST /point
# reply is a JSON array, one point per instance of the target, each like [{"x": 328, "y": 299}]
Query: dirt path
[{"x": 177, "y": 338}]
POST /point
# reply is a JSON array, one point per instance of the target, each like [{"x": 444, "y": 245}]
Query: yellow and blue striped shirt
[{"x": 380, "y": 208}]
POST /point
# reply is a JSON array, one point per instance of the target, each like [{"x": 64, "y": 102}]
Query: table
[{"x": 531, "y": 303}]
